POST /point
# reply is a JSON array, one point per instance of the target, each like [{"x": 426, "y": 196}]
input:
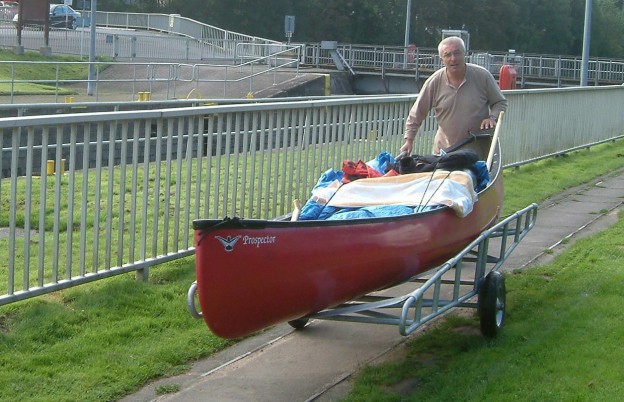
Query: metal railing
[
  {"x": 176, "y": 24},
  {"x": 547, "y": 70},
  {"x": 171, "y": 37},
  {"x": 91, "y": 195},
  {"x": 163, "y": 81},
  {"x": 179, "y": 38}
]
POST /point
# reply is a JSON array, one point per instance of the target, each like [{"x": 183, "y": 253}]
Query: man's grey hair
[{"x": 449, "y": 40}]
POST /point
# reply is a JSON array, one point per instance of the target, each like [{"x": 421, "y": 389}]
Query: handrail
[{"x": 194, "y": 41}]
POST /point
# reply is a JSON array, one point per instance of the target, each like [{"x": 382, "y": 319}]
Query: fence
[
  {"x": 213, "y": 56},
  {"x": 91, "y": 195},
  {"x": 163, "y": 81},
  {"x": 545, "y": 70},
  {"x": 173, "y": 37}
]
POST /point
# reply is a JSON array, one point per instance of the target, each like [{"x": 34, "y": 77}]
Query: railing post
[
  {"x": 522, "y": 83},
  {"x": 115, "y": 46},
  {"x": 142, "y": 274},
  {"x": 133, "y": 47}
]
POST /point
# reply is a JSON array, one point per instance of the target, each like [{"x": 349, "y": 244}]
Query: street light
[
  {"x": 586, "y": 40},
  {"x": 407, "y": 22},
  {"x": 91, "y": 78},
  {"x": 407, "y": 30}
]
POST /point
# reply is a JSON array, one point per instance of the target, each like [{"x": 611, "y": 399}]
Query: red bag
[{"x": 357, "y": 170}]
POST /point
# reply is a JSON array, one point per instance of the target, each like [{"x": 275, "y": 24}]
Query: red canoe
[{"x": 252, "y": 274}]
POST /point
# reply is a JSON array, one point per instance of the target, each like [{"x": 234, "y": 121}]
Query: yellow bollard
[
  {"x": 62, "y": 167},
  {"x": 144, "y": 96},
  {"x": 69, "y": 99},
  {"x": 49, "y": 167}
]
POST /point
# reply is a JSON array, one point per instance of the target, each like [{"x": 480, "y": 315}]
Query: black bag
[{"x": 458, "y": 160}]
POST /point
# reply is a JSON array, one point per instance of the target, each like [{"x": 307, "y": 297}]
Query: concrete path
[{"x": 316, "y": 364}]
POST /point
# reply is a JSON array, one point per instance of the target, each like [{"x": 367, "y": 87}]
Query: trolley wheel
[
  {"x": 299, "y": 323},
  {"x": 491, "y": 306}
]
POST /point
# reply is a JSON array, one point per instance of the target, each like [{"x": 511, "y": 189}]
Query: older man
[{"x": 464, "y": 97}]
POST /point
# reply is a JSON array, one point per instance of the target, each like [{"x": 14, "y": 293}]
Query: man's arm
[
  {"x": 497, "y": 103},
  {"x": 496, "y": 99},
  {"x": 416, "y": 116}
]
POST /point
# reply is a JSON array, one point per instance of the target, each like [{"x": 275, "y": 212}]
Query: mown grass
[
  {"x": 104, "y": 340},
  {"x": 561, "y": 340},
  {"x": 540, "y": 180},
  {"x": 23, "y": 70}
]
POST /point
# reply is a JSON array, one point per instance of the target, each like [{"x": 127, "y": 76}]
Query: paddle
[{"x": 297, "y": 210}]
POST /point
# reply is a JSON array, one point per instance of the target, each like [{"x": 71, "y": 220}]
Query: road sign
[{"x": 289, "y": 24}]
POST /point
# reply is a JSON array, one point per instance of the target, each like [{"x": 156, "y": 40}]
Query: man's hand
[
  {"x": 407, "y": 147},
  {"x": 488, "y": 123}
]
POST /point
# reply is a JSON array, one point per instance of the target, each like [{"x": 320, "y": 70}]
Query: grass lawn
[
  {"x": 43, "y": 69},
  {"x": 561, "y": 340},
  {"x": 104, "y": 340}
]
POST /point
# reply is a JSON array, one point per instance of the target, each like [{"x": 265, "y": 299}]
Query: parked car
[
  {"x": 61, "y": 16},
  {"x": 7, "y": 10}
]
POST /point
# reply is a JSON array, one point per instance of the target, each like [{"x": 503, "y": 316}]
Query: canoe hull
[{"x": 252, "y": 274}]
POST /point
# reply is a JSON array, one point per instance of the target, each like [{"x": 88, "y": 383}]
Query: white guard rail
[
  {"x": 545, "y": 70},
  {"x": 177, "y": 38},
  {"x": 86, "y": 196}
]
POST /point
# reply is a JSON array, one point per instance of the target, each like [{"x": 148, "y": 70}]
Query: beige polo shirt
[{"x": 457, "y": 110}]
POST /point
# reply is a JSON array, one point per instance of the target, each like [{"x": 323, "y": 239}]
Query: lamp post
[
  {"x": 586, "y": 40},
  {"x": 408, "y": 17},
  {"x": 91, "y": 78},
  {"x": 407, "y": 22}
]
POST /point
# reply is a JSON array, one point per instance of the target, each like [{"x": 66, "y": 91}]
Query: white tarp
[{"x": 454, "y": 189}]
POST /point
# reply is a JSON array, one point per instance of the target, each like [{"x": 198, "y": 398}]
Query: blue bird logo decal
[{"x": 228, "y": 242}]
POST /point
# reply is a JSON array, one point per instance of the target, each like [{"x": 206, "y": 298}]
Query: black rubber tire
[
  {"x": 491, "y": 306},
  {"x": 299, "y": 323}
]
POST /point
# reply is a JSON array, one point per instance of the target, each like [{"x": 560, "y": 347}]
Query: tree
[
  {"x": 607, "y": 29},
  {"x": 529, "y": 26}
]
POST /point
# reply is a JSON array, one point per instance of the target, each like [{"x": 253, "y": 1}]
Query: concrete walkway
[{"x": 317, "y": 364}]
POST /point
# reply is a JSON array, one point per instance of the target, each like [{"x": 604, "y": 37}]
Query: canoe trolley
[{"x": 472, "y": 272}]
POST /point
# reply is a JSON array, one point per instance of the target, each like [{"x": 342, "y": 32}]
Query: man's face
[{"x": 453, "y": 57}]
